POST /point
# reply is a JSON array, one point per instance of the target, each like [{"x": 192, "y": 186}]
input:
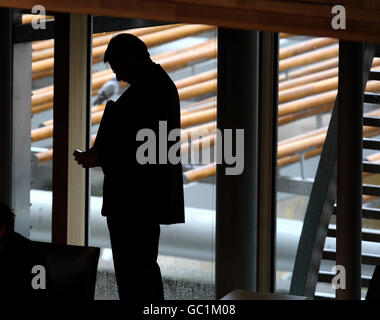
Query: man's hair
[
  {"x": 125, "y": 44},
  {"x": 7, "y": 217}
]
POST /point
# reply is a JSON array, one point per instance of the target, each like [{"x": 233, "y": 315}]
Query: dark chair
[
  {"x": 72, "y": 269},
  {"x": 373, "y": 292}
]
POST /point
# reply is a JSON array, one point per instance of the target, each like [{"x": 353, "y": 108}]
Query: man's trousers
[{"x": 135, "y": 251}]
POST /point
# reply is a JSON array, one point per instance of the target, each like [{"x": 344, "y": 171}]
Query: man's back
[{"x": 155, "y": 189}]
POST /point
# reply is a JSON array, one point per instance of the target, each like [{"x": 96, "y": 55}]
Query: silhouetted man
[
  {"x": 137, "y": 198},
  {"x": 18, "y": 257}
]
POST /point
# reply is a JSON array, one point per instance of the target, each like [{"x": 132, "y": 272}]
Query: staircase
[
  {"x": 368, "y": 213},
  {"x": 320, "y": 218}
]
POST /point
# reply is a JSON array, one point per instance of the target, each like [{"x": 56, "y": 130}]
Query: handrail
[
  {"x": 304, "y": 114},
  {"x": 290, "y": 50},
  {"x": 47, "y": 131},
  {"x": 306, "y": 70},
  {"x": 46, "y": 50},
  {"x": 209, "y": 87},
  {"x": 317, "y": 76},
  {"x": 172, "y": 61},
  {"x": 307, "y": 90},
  {"x": 94, "y": 109},
  {"x": 28, "y": 18},
  {"x": 205, "y": 171},
  {"x": 187, "y": 134},
  {"x": 199, "y": 105},
  {"x": 45, "y": 44},
  {"x": 41, "y": 68},
  {"x": 321, "y": 75},
  {"x": 201, "y": 77},
  {"x": 197, "y": 89},
  {"x": 286, "y": 149},
  {"x": 41, "y": 98},
  {"x": 187, "y": 120},
  {"x": 373, "y": 157},
  {"x": 307, "y": 58},
  {"x": 152, "y": 39},
  {"x": 200, "y": 173},
  {"x": 104, "y": 37},
  {"x": 197, "y": 144},
  {"x": 305, "y": 46},
  {"x": 198, "y": 117},
  {"x": 307, "y": 140},
  {"x": 194, "y": 53},
  {"x": 312, "y": 88},
  {"x": 284, "y": 35},
  {"x": 298, "y": 98},
  {"x": 206, "y": 104},
  {"x": 302, "y": 136},
  {"x": 318, "y": 100},
  {"x": 317, "y": 141},
  {"x": 205, "y": 51}
]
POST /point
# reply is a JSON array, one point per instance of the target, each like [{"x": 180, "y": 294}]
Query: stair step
[
  {"x": 369, "y": 143},
  {"x": 374, "y": 75},
  {"x": 369, "y": 259},
  {"x": 377, "y": 51},
  {"x": 323, "y": 297},
  {"x": 326, "y": 277},
  {"x": 367, "y": 213},
  {"x": 371, "y": 121},
  {"x": 370, "y": 97},
  {"x": 371, "y": 190},
  {"x": 371, "y": 213},
  {"x": 366, "y": 235},
  {"x": 371, "y": 167}
]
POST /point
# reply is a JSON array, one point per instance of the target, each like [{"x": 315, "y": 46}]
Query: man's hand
[{"x": 87, "y": 159}]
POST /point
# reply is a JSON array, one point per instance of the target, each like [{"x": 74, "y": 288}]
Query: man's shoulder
[
  {"x": 22, "y": 244},
  {"x": 127, "y": 94},
  {"x": 20, "y": 252},
  {"x": 16, "y": 239}
]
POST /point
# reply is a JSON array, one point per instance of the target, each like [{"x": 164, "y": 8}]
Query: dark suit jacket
[{"x": 151, "y": 192}]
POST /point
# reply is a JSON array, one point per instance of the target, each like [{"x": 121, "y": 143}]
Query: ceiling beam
[
  {"x": 308, "y": 17},
  {"x": 25, "y": 32}
]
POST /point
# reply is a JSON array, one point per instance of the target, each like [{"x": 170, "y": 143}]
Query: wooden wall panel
[{"x": 308, "y": 17}]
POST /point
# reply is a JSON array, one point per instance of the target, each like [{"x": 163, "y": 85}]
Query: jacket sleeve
[{"x": 101, "y": 136}]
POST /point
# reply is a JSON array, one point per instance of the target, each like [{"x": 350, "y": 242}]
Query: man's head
[
  {"x": 7, "y": 220},
  {"x": 127, "y": 56}
]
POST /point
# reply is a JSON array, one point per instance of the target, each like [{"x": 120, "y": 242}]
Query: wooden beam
[
  {"x": 305, "y": 17},
  {"x": 25, "y": 32},
  {"x": 70, "y": 126}
]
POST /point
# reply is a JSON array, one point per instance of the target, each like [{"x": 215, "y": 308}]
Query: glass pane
[
  {"x": 42, "y": 141},
  {"x": 307, "y": 91},
  {"x": 301, "y": 133}
]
